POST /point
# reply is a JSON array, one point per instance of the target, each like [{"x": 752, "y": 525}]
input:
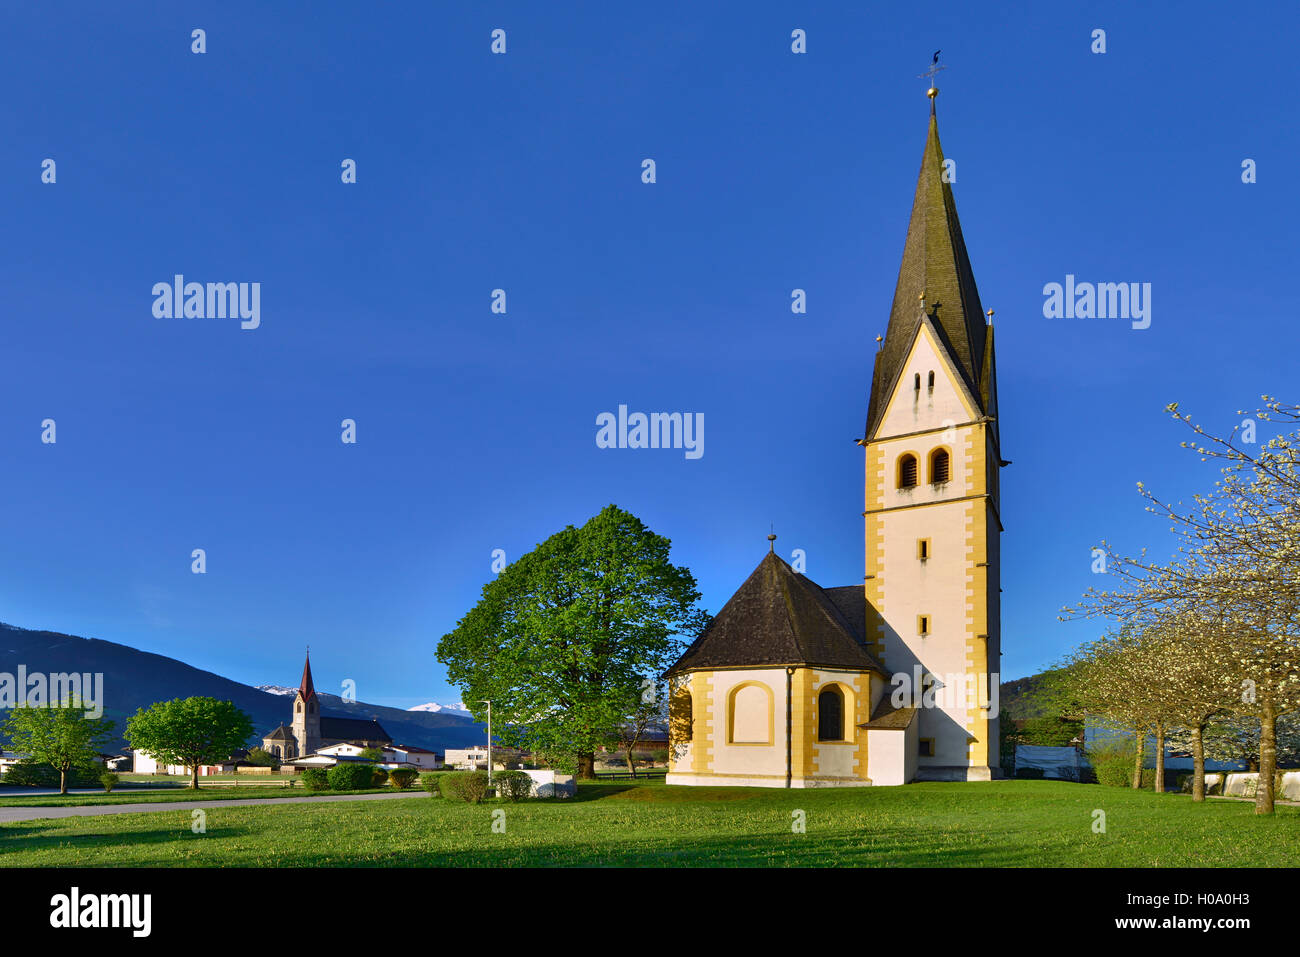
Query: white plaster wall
[
  {"x": 913, "y": 412},
  {"x": 936, "y": 587},
  {"x": 747, "y": 758},
  {"x": 888, "y": 761}
]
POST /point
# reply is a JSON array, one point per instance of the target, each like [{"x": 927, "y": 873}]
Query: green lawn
[
  {"x": 164, "y": 796},
  {"x": 1005, "y": 823}
]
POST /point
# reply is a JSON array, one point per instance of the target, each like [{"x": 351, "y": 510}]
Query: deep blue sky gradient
[{"x": 522, "y": 171}]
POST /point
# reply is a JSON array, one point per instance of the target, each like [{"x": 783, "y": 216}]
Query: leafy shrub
[
  {"x": 514, "y": 786},
  {"x": 429, "y": 781},
  {"x": 402, "y": 778},
  {"x": 380, "y": 778},
  {"x": 315, "y": 779},
  {"x": 1112, "y": 761},
  {"x": 109, "y": 780},
  {"x": 468, "y": 786},
  {"x": 1030, "y": 774},
  {"x": 263, "y": 758},
  {"x": 351, "y": 776}
]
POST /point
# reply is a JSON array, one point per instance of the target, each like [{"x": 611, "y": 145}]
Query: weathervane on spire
[{"x": 931, "y": 73}]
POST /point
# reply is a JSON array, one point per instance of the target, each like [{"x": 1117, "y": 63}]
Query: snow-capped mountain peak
[{"x": 457, "y": 708}]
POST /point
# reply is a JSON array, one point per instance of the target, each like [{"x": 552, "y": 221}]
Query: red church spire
[{"x": 306, "y": 689}]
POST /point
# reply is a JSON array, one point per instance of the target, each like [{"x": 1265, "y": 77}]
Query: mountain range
[{"x": 135, "y": 679}]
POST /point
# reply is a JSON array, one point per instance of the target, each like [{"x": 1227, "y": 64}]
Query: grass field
[
  {"x": 1004, "y": 823},
  {"x": 164, "y": 796}
]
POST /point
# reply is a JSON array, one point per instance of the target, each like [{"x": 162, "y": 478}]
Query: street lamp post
[{"x": 489, "y": 746}]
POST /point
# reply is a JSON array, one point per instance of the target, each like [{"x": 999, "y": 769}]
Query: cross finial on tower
[
  {"x": 930, "y": 74},
  {"x": 771, "y": 541}
]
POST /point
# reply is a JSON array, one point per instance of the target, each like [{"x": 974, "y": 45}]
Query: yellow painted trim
[{"x": 702, "y": 739}]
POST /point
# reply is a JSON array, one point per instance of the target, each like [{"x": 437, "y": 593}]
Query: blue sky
[{"x": 522, "y": 171}]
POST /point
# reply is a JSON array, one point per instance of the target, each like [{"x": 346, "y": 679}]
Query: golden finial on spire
[{"x": 990, "y": 315}]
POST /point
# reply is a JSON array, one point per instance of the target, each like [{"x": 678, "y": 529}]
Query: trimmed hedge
[
  {"x": 109, "y": 780},
  {"x": 514, "y": 786},
  {"x": 468, "y": 786},
  {"x": 315, "y": 779},
  {"x": 429, "y": 781},
  {"x": 351, "y": 776},
  {"x": 402, "y": 778},
  {"x": 380, "y": 779}
]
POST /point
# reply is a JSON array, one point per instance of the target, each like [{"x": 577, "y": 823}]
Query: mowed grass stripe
[{"x": 1005, "y": 823}]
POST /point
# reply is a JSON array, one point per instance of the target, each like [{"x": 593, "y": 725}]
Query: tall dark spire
[
  {"x": 306, "y": 689},
  {"x": 935, "y": 265}
]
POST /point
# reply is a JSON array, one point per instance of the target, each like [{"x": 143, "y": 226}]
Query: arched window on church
[
  {"x": 940, "y": 466},
  {"x": 907, "y": 471},
  {"x": 931, "y": 380},
  {"x": 297, "y": 707},
  {"x": 830, "y": 715},
  {"x": 918, "y": 382},
  {"x": 681, "y": 720}
]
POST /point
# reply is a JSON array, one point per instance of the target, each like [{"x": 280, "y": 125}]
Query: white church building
[{"x": 895, "y": 679}]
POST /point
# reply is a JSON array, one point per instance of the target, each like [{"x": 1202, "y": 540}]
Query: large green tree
[
  {"x": 62, "y": 737},
  {"x": 563, "y": 640},
  {"x": 189, "y": 732}
]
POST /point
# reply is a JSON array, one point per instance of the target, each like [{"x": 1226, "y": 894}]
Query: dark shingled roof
[
  {"x": 779, "y": 617},
  {"x": 889, "y": 718},
  {"x": 282, "y": 733},
  {"x": 934, "y": 263},
  {"x": 352, "y": 729}
]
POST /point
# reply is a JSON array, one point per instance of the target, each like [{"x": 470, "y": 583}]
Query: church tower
[
  {"x": 932, "y": 499},
  {"x": 306, "y": 713}
]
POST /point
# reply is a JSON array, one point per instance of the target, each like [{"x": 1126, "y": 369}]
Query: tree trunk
[
  {"x": 631, "y": 762},
  {"x": 1160, "y": 757},
  {"x": 587, "y": 766},
  {"x": 1138, "y": 761},
  {"x": 1267, "y": 758},
  {"x": 194, "y": 776},
  {"x": 1198, "y": 763},
  {"x": 63, "y": 781}
]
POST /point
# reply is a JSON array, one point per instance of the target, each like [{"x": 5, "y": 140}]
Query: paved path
[{"x": 10, "y": 814}]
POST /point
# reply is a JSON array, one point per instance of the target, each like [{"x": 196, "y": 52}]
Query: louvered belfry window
[
  {"x": 939, "y": 466},
  {"x": 907, "y": 471}
]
